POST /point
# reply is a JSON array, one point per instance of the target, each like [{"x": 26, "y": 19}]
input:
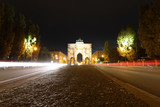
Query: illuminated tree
[
  {"x": 126, "y": 43},
  {"x": 30, "y": 44},
  {"x": 32, "y": 40},
  {"x": 15, "y": 37},
  {"x": 149, "y": 29}
]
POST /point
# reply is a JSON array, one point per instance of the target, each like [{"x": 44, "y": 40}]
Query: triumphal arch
[{"x": 74, "y": 49}]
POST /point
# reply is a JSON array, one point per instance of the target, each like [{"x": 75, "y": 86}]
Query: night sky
[{"x": 95, "y": 21}]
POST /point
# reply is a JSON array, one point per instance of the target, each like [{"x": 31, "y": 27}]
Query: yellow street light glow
[
  {"x": 102, "y": 56},
  {"x": 64, "y": 58},
  {"x": 35, "y": 48}
]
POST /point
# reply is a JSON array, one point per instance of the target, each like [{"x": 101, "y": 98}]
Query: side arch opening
[
  {"x": 72, "y": 60},
  {"x": 87, "y": 60}
]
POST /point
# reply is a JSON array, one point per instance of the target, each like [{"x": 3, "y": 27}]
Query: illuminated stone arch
[{"x": 80, "y": 47}]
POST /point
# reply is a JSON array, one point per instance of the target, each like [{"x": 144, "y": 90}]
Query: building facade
[
  {"x": 79, "y": 48},
  {"x": 58, "y": 57},
  {"x": 98, "y": 57}
]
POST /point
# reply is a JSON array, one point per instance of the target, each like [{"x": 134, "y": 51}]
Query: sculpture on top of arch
[{"x": 85, "y": 49}]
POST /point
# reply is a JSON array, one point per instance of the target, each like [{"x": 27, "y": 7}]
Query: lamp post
[
  {"x": 64, "y": 60},
  {"x": 34, "y": 49}
]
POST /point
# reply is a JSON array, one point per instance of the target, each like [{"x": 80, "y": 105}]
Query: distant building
[
  {"x": 79, "y": 52},
  {"x": 58, "y": 57},
  {"x": 98, "y": 57}
]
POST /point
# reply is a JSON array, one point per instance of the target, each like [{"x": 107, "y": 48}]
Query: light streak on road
[
  {"x": 152, "y": 62},
  {"x": 52, "y": 66},
  {"x": 17, "y": 74},
  {"x": 29, "y": 64}
]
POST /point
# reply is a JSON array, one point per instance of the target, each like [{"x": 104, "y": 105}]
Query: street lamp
[
  {"x": 34, "y": 49},
  {"x": 56, "y": 56},
  {"x": 64, "y": 58}
]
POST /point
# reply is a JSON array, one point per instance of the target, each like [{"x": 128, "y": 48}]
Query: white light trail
[
  {"x": 42, "y": 68},
  {"x": 29, "y": 64}
]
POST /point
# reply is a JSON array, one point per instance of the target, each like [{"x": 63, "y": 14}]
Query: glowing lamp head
[{"x": 35, "y": 48}]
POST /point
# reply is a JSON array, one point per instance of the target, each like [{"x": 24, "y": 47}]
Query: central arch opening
[{"x": 79, "y": 57}]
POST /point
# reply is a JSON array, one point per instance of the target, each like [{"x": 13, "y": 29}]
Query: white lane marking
[{"x": 16, "y": 78}]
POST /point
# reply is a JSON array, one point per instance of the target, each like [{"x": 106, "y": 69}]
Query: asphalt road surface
[
  {"x": 14, "y": 74},
  {"x": 146, "y": 78},
  {"x": 68, "y": 86}
]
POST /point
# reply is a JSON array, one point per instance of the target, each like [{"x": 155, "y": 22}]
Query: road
[
  {"x": 14, "y": 76},
  {"x": 69, "y": 86},
  {"x": 15, "y": 73},
  {"x": 146, "y": 78}
]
